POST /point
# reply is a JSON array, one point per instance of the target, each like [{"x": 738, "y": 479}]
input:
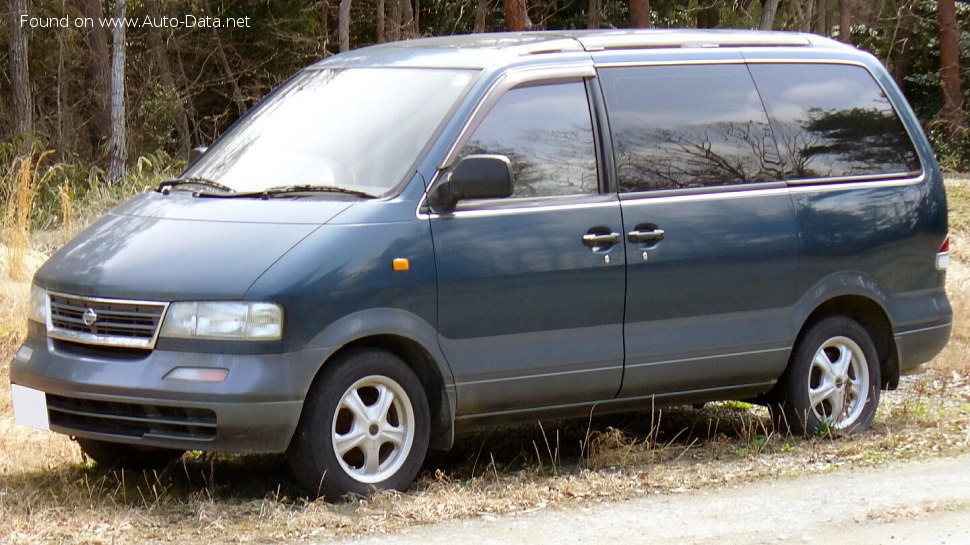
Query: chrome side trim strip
[
  {"x": 541, "y": 375},
  {"x": 922, "y": 329},
  {"x": 859, "y": 178},
  {"x": 710, "y": 357},
  {"x": 637, "y": 199},
  {"x": 605, "y": 403},
  {"x": 520, "y": 209},
  {"x": 838, "y": 185}
]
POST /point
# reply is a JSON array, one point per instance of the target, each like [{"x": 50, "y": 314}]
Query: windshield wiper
[
  {"x": 193, "y": 181},
  {"x": 287, "y": 190},
  {"x": 309, "y": 188}
]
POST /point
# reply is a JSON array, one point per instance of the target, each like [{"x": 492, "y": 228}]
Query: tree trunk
[
  {"x": 950, "y": 65},
  {"x": 380, "y": 22},
  {"x": 343, "y": 25},
  {"x": 768, "y": 10},
  {"x": 823, "y": 18},
  {"x": 800, "y": 15},
  {"x": 23, "y": 102},
  {"x": 394, "y": 22},
  {"x": 708, "y": 14},
  {"x": 845, "y": 22},
  {"x": 324, "y": 27},
  {"x": 481, "y": 14},
  {"x": 594, "y": 14},
  {"x": 119, "y": 134},
  {"x": 168, "y": 79},
  {"x": 517, "y": 15},
  {"x": 417, "y": 18},
  {"x": 99, "y": 76},
  {"x": 61, "y": 80},
  {"x": 237, "y": 96},
  {"x": 407, "y": 20},
  {"x": 640, "y": 16},
  {"x": 186, "y": 90},
  {"x": 900, "y": 58}
]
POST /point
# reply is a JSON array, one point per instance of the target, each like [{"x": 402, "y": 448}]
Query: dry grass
[
  {"x": 24, "y": 181},
  {"x": 49, "y": 493}
]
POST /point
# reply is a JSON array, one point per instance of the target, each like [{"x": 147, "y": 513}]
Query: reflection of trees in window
[
  {"x": 833, "y": 120},
  {"x": 547, "y": 134},
  {"x": 846, "y": 142},
  {"x": 545, "y": 163},
  {"x": 721, "y": 153},
  {"x": 678, "y": 127}
]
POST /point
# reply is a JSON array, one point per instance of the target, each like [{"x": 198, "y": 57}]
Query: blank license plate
[{"x": 30, "y": 407}]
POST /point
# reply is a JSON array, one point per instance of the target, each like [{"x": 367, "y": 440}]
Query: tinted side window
[
  {"x": 833, "y": 120},
  {"x": 547, "y": 133},
  {"x": 688, "y": 126}
]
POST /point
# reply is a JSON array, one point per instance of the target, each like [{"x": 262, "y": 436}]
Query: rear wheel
[
  {"x": 365, "y": 427},
  {"x": 832, "y": 381},
  {"x": 109, "y": 455}
]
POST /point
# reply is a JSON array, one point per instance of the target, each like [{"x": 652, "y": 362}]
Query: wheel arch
[
  {"x": 411, "y": 339},
  {"x": 873, "y": 317},
  {"x": 424, "y": 367}
]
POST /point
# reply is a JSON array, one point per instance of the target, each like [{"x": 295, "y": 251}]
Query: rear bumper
[
  {"x": 128, "y": 400},
  {"x": 918, "y": 346}
]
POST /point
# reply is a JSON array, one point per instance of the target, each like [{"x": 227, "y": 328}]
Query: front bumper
[{"x": 126, "y": 399}]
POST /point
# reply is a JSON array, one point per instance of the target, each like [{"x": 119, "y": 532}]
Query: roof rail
[{"x": 672, "y": 39}]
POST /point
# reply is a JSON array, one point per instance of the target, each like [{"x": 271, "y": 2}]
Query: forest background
[{"x": 96, "y": 112}]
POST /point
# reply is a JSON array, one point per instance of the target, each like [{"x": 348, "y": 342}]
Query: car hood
[{"x": 177, "y": 247}]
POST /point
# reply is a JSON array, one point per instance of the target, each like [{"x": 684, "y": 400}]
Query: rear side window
[
  {"x": 833, "y": 120},
  {"x": 547, "y": 133},
  {"x": 678, "y": 127}
]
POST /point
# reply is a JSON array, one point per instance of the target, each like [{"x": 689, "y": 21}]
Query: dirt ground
[{"x": 901, "y": 503}]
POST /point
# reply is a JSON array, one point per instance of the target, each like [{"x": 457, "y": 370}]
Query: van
[{"x": 421, "y": 237}]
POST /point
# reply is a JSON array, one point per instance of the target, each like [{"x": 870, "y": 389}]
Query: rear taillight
[{"x": 943, "y": 256}]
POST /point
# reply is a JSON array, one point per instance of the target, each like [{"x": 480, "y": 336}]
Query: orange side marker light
[{"x": 401, "y": 264}]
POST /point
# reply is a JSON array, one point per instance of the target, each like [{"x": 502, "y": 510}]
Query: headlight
[
  {"x": 224, "y": 320},
  {"x": 38, "y": 304}
]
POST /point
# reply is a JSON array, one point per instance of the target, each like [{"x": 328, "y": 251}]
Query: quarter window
[
  {"x": 833, "y": 120},
  {"x": 547, "y": 133},
  {"x": 677, "y": 127}
]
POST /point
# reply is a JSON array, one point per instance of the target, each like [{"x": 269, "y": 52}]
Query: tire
[
  {"x": 833, "y": 366},
  {"x": 107, "y": 455},
  {"x": 346, "y": 443}
]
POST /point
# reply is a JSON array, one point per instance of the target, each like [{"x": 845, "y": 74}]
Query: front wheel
[
  {"x": 832, "y": 380},
  {"x": 365, "y": 427}
]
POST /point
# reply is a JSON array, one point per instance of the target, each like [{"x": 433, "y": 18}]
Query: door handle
[
  {"x": 594, "y": 240},
  {"x": 645, "y": 236}
]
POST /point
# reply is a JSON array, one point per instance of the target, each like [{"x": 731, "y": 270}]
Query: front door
[{"x": 530, "y": 288}]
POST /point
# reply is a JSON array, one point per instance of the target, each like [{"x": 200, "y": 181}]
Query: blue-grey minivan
[{"x": 417, "y": 237}]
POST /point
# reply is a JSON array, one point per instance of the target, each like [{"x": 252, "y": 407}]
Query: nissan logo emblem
[{"x": 90, "y": 317}]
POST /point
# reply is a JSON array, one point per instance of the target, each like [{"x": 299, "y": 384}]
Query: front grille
[
  {"x": 130, "y": 419},
  {"x": 107, "y": 322}
]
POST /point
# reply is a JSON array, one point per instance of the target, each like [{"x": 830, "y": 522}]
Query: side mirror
[
  {"x": 197, "y": 152},
  {"x": 475, "y": 177}
]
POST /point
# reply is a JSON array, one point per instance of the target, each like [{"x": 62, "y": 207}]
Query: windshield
[{"x": 352, "y": 128}]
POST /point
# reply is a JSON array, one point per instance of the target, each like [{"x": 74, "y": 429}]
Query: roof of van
[{"x": 484, "y": 49}]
